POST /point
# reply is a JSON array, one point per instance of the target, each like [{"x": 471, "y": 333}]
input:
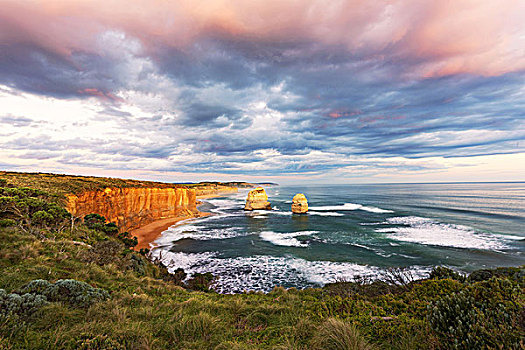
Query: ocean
[{"x": 350, "y": 231}]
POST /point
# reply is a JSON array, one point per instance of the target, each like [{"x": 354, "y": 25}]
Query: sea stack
[
  {"x": 257, "y": 200},
  {"x": 299, "y": 204}
]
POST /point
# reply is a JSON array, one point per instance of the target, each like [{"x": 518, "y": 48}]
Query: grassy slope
[
  {"x": 62, "y": 184},
  {"x": 146, "y": 311}
]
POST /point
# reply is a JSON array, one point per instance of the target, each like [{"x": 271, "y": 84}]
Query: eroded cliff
[{"x": 131, "y": 208}]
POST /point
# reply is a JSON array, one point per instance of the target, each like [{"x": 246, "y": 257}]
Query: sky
[{"x": 289, "y": 91}]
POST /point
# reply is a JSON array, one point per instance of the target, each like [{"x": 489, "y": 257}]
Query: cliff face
[{"x": 131, "y": 208}]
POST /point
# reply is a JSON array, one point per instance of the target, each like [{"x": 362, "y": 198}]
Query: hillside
[
  {"x": 75, "y": 284},
  {"x": 64, "y": 184}
]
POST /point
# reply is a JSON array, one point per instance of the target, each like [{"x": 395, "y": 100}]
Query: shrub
[
  {"x": 144, "y": 251},
  {"x": 128, "y": 241},
  {"x": 137, "y": 264},
  {"x": 441, "y": 272},
  {"x": 103, "y": 253},
  {"x": 336, "y": 334},
  {"x": 19, "y": 305},
  {"x": 516, "y": 274},
  {"x": 200, "y": 281},
  {"x": 93, "y": 221},
  {"x": 76, "y": 293},
  {"x": 110, "y": 228},
  {"x": 7, "y": 222},
  {"x": 483, "y": 315},
  {"x": 42, "y": 217}
]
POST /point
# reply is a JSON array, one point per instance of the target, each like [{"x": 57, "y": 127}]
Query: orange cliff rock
[
  {"x": 131, "y": 208},
  {"x": 299, "y": 204},
  {"x": 257, "y": 200}
]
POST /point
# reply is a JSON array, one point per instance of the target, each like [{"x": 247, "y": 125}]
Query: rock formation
[
  {"x": 299, "y": 204},
  {"x": 257, "y": 200},
  {"x": 131, "y": 208}
]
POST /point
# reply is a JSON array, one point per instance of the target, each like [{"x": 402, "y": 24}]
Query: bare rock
[
  {"x": 299, "y": 204},
  {"x": 257, "y": 200}
]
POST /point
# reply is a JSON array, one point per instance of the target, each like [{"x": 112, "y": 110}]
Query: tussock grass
[{"x": 336, "y": 334}]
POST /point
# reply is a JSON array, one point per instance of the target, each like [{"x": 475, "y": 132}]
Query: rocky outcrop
[
  {"x": 257, "y": 200},
  {"x": 131, "y": 208},
  {"x": 299, "y": 204}
]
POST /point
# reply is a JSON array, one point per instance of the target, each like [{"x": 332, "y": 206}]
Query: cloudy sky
[{"x": 290, "y": 91}]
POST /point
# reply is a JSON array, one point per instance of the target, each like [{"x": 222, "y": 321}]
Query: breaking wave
[
  {"x": 350, "y": 206},
  {"x": 431, "y": 232},
  {"x": 286, "y": 239}
]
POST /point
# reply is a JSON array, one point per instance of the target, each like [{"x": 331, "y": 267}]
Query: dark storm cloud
[
  {"x": 377, "y": 97},
  {"x": 35, "y": 69}
]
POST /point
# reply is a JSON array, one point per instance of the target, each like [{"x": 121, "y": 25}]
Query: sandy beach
[{"x": 150, "y": 232}]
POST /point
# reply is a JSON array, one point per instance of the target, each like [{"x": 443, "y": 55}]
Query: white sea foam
[
  {"x": 350, "y": 206},
  {"x": 267, "y": 212},
  {"x": 202, "y": 233},
  {"x": 262, "y": 272},
  {"x": 223, "y": 205},
  {"x": 190, "y": 262},
  {"x": 286, "y": 239},
  {"x": 324, "y": 213},
  {"x": 431, "y": 232}
]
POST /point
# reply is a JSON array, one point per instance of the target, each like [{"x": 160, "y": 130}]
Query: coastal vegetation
[
  {"x": 69, "y": 283},
  {"x": 60, "y": 185}
]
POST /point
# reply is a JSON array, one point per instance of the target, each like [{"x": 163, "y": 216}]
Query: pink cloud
[
  {"x": 435, "y": 37},
  {"x": 108, "y": 96}
]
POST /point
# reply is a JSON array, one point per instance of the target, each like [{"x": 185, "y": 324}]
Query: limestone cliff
[
  {"x": 131, "y": 208},
  {"x": 299, "y": 204},
  {"x": 257, "y": 199}
]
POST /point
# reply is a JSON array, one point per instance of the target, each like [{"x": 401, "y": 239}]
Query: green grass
[
  {"x": 149, "y": 310},
  {"x": 59, "y": 184}
]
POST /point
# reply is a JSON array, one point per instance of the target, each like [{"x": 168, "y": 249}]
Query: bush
[
  {"x": 98, "y": 222},
  {"x": 335, "y": 334},
  {"x": 128, "y": 241},
  {"x": 93, "y": 221},
  {"x": 516, "y": 274},
  {"x": 137, "y": 264},
  {"x": 7, "y": 222},
  {"x": 484, "y": 315},
  {"x": 43, "y": 218},
  {"x": 76, "y": 293},
  {"x": 103, "y": 253},
  {"x": 200, "y": 281},
  {"x": 110, "y": 228},
  {"x": 441, "y": 272},
  {"x": 19, "y": 305}
]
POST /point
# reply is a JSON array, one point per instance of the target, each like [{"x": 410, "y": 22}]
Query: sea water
[{"x": 350, "y": 231}]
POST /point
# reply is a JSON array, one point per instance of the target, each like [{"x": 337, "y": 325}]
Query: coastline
[{"x": 147, "y": 234}]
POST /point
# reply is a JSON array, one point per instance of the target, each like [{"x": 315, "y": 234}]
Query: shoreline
[{"x": 147, "y": 234}]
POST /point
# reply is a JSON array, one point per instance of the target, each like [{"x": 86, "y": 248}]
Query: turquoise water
[{"x": 350, "y": 230}]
